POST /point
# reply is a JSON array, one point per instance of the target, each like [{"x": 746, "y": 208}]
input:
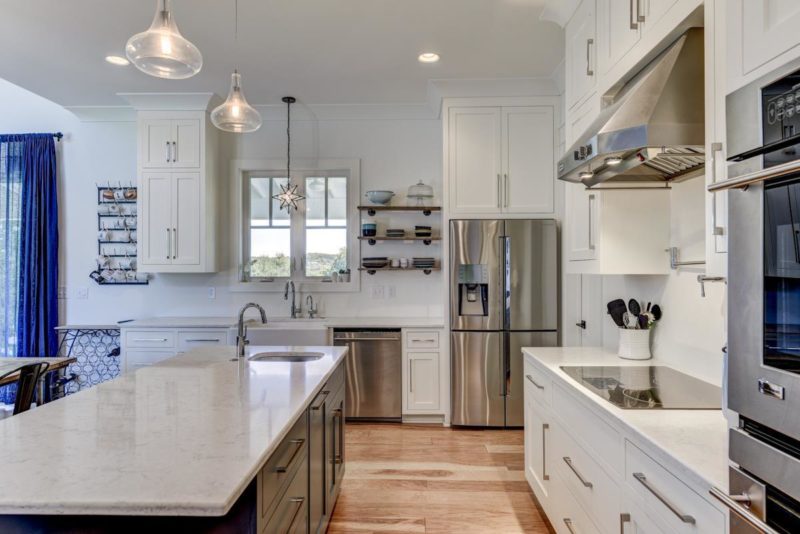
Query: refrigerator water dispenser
[{"x": 473, "y": 290}]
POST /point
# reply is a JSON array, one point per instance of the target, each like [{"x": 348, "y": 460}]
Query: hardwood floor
[{"x": 425, "y": 480}]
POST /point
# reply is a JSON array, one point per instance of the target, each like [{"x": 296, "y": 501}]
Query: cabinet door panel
[
  {"x": 617, "y": 36},
  {"x": 186, "y": 218},
  {"x": 653, "y": 10},
  {"x": 581, "y": 53},
  {"x": 155, "y": 220},
  {"x": 186, "y": 135},
  {"x": 475, "y": 139},
  {"x": 582, "y": 223},
  {"x": 155, "y": 143},
  {"x": 769, "y": 28},
  {"x": 536, "y": 435},
  {"x": 423, "y": 381},
  {"x": 529, "y": 150}
]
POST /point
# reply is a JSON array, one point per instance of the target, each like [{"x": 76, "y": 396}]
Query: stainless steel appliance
[
  {"x": 503, "y": 296},
  {"x": 374, "y": 373},
  {"x": 647, "y": 387},
  {"x": 653, "y": 129},
  {"x": 764, "y": 303}
]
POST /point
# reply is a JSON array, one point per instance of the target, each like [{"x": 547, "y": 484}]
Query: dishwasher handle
[{"x": 367, "y": 338}]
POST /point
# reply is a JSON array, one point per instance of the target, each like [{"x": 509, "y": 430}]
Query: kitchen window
[{"x": 304, "y": 245}]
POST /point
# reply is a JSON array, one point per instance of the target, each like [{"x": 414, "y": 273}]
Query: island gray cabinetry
[{"x": 326, "y": 451}]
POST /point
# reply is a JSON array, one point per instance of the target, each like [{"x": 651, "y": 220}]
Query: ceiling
[{"x": 321, "y": 51}]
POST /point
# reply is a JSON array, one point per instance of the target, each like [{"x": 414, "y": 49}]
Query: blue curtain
[{"x": 28, "y": 247}]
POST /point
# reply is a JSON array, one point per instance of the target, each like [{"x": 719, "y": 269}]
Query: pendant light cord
[
  {"x": 288, "y": 141},
  {"x": 236, "y": 31}
]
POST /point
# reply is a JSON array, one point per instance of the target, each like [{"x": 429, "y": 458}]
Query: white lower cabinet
[
  {"x": 422, "y": 372},
  {"x": 590, "y": 478},
  {"x": 142, "y": 347}
]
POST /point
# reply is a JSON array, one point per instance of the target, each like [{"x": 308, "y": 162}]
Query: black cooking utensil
[
  {"x": 643, "y": 321},
  {"x": 616, "y": 309},
  {"x": 648, "y": 306},
  {"x": 634, "y": 308},
  {"x": 656, "y": 311}
]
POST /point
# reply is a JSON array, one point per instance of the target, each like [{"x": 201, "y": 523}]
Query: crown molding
[
  {"x": 103, "y": 113},
  {"x": 490, "y": 87},
  {"x": 559, "y": 11},
  {"x": 169, "y": 101}
]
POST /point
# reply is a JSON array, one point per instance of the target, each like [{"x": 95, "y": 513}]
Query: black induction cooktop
[{"x": 653, "y": 387}]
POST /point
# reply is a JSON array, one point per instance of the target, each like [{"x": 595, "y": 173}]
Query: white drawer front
[
  {"x": 568, "y": 516},
  {"x": 666, "y": 496},
  {"x": 422, "y": 339},
  {"x": 136, "y": 359},
  {"x": 149, "y": 339},
  {"x": 537, "y": 382},
  {"x": 593, "y": 432},
  {"x": 190, "y": 339},
  {"x": 590, "y": 484}
]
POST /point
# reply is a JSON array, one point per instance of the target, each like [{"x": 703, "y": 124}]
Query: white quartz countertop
[
  {"x": 330, "y": 322},
  {"x": 182, "y": 437},
  {"x": 695, "y": 440}
]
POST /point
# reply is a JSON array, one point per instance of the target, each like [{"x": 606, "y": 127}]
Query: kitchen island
[{"x": 200, "y": 441}]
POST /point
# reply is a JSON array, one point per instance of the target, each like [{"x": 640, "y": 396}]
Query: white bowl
[{"x": 380, "y": 197}]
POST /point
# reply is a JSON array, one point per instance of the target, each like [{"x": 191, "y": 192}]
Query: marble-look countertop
[
  {"x": 183, "y": 437},
  {"x": 329, "y": 322},
  {"x": 695, "y": 442}
]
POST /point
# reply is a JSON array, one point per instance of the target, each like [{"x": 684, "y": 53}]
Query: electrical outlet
[
  {"x": 82, "y": 293},
  {"x": 378, "y": 292},
  {"x": 62, "y": 292},
  {"x": 212, "y": 293}
]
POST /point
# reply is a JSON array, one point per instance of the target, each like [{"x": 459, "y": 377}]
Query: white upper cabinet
[
  {"x": 501, "y": 160},
  {"x": 177, "y": 200},
  {"x": 581, "y": 54},
  {"x": 475, "y": 165},
  {"x": 618, "y": 21},
  {"x": 769, "y": 28},
  {"x": 166, "y": 143},
  {"x": 528, "y": 166}
]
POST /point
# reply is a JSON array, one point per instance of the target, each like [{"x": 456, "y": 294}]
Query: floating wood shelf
[
  {"x": 426, "y": 270},
  {"x": 374, "y": 239},
  {"x": 426, "y": 210}
]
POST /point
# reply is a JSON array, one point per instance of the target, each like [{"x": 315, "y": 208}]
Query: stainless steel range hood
[{"x": 653, "y": 130}]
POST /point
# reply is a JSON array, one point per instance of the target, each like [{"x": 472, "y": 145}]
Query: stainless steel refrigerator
[{"x": 503, "y": 296}]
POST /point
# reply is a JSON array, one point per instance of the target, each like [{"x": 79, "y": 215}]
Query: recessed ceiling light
[
  {"x": 428, "y": 57},
  {"x": 118, "y": 61}
]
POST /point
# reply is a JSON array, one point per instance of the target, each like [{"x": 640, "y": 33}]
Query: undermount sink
[{"x": 287, "y": 356}]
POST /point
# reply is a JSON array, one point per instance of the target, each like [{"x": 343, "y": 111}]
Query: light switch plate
[{"x": 378, "y": 292}]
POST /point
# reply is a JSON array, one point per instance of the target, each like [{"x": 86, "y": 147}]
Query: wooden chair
[{"x": 27, "y": 382}]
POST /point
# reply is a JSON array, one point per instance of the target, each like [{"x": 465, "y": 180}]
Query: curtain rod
[{"x": 58, "y": 136}]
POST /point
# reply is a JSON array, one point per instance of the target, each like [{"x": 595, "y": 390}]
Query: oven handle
[
  {"x": 755, "y": 177},
  {"x": 746, "y": 515}
]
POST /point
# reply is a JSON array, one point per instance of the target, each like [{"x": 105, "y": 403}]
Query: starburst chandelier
[{"x": 288, "y": 197}]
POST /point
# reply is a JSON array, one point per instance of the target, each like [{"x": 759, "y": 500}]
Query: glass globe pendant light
[
  {"x": 235, "y": 114},
  {"x": 162, "y": 51}
]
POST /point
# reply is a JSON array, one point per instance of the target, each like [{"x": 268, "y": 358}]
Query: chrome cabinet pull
[
  {"x": 545, "y": 428},
  {"x": 591, "y": 220},
  {"x": 634, "y": 24},
  {"x": 175, "y": 239},
  {"x": 506, "y": 194},
  {"x": 169, "y": 244},
  {"x": 215, "y": 340},
  {"x": 174, "y": 152},
  {"x": 152, "y": 340},
  {"x": 730, "y": 502},
  {"x": 298, "y": 444},
  {"x": 715, "y": 230},
  {"x": 410, "y": 378},
  {"x": 589, "y": 71},
  {"x": 499, "y": 192},
  {"x": 167, "y": 156},
  {"x": 322, "y": 402},
  {"x": 586, "y": 483},
  {"x": 623, "y": 518},
  {"x": 568, "y": 523},
  {"x": 683, "y": 517},
  {"x": 532, "y": 381},
  {"x": 639, "y": 16}
]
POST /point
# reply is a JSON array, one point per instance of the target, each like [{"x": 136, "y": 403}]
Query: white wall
[
  {"x": 394, "y": 153},
  {"x": 693, "y": 329}
]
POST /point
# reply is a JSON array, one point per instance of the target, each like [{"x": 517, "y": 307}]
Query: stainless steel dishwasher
[{"x": 374, "y": 373}]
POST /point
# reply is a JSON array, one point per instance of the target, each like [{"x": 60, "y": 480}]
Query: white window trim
[{"x": 241, "y": 169}]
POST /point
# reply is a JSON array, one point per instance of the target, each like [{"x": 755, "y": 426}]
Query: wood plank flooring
[{"x": 405, "y": 479}]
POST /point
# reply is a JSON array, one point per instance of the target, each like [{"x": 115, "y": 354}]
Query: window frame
[{"x": 243, "y": 171}]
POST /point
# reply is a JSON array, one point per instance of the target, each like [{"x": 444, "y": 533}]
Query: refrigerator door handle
[
  {"x": 506, "y": 282},
  {"x": 507, "y": 364}
]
